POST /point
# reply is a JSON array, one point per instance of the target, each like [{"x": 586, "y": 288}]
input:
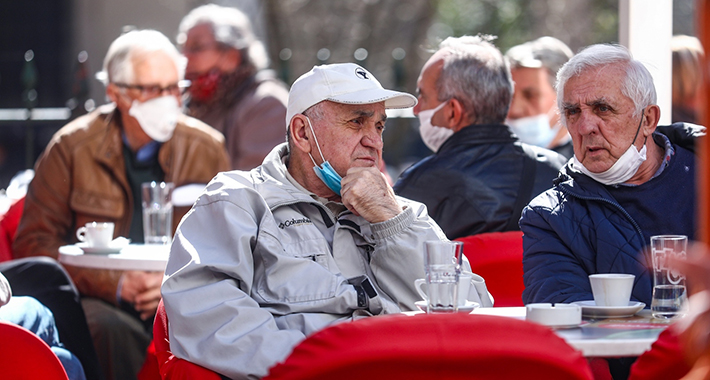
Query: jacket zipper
[{"x": 618, "y": 207}]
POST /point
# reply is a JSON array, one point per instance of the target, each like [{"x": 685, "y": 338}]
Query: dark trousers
[{"x": 45, "y": 280}]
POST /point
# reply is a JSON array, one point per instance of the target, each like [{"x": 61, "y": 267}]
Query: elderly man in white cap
[{"x": 313, "y": 236}]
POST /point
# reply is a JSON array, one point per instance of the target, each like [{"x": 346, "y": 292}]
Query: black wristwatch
[{"x": 364, "y": 290}]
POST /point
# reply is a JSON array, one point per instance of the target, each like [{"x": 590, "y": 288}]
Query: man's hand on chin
[{"x": 366, "y": 193}]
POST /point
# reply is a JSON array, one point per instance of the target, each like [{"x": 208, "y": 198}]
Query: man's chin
[{"x": 596, "y": 167}]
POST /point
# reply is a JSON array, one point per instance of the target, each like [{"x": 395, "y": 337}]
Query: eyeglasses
[
  {"x": 199, "y": 48},
  {"x": 152, "y": 91}
]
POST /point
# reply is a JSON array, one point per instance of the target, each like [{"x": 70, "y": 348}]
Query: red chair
[
  {"x": 433, "y": 346},
  {"x": 8, "y": 227},
  {"x": 24, "y": 356},
  {"x": 664, "y": 361},
  {"x": 498, "y": 257},
  {"x": 169, "y": 366}
]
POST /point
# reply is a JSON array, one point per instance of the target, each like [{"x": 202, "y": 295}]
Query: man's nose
[
  {"x": 516, "y": 110},
  {"x": 586, "y": 123},
  {"x": 372, "y": 138},
  {"x": 416, "y": 109}
]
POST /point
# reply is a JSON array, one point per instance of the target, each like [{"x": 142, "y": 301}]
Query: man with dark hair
[{"x": 480, "y": 176}]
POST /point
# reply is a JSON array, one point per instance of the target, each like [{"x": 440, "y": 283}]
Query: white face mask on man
[
  {"x": 157, "y": 116},
  {"x": 534, "y": 130},
  {"x": 623, "y": 169},
  {"x": 432, "y": 136}
]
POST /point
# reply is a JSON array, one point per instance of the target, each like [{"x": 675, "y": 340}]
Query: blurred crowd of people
[{"x": 299, "y": 227}]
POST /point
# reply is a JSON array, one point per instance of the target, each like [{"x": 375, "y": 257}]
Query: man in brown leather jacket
[{"x": 92, "y": 170}]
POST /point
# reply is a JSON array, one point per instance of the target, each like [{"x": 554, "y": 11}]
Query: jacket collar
[
  {"x": 111, "y": 143},
  {"x": 270, "y": 180},
  {"x": 273, "y": 169},
  {"x": 478, "y": 134},
  {"x": 681, "y": 134},
  {"x": 579, "y": 184}
]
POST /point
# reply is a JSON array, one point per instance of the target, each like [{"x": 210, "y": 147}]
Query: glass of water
[
  {"x": 670, "y": 296},
  {"x": 442, "y": 264},
  {"x": 157, "y": 212}
]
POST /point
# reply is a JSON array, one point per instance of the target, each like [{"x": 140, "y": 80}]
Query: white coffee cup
[
  {"x": 96, "y": 234},
  {"x": 464, "y": 285},
  {"x": 612, "y": 289}
]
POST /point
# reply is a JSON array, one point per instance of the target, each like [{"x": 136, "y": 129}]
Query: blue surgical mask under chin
[
  {"x": 329, "y": 176},
  {"x": 325, "y": 172}
]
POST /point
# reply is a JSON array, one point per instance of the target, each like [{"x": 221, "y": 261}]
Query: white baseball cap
[{"x": 345, "y": 83}]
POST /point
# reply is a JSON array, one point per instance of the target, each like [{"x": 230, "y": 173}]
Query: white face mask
[
  {"x": 432, "y": 136},
  {"x": 534, "y": 130},
  {"x": 623, "y": 169},
  {"x": 157, "y": 116}
]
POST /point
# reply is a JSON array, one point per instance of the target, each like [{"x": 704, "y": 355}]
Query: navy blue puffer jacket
[{"x": 577, "y": 228}]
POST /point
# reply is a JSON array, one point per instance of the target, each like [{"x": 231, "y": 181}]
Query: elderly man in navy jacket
[{"x": 628, "y": 180}]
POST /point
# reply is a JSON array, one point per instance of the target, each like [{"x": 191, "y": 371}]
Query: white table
[
  {"x": 613, "y": 337},
  {"x": 148, "y": 257}
]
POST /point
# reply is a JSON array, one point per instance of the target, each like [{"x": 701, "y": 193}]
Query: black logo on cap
[{"x": 361, "y": 73}]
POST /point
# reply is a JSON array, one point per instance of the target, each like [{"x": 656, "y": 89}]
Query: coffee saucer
[
  {"x": 467, "y": 308},
  {"x": 591, "y": 310},
  {"x": 115, "y": 246}
]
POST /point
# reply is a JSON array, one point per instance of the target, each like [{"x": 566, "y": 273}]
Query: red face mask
[{"x": 204, "y": 86}]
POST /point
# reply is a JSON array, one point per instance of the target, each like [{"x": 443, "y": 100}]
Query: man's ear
[
  {"x": 651, "y": 116},
  {"x": 457, "y": 115},
  {"x": 112, "y": 92},
  {"x": 300, "y": 133}
]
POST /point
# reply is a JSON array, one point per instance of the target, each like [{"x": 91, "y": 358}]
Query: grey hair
[
  {"x": 477, "y": 75},
  {"x": 638, "y": 84},
  {"x": 545, "y": 52},
  {"x": 118, "y": 67},
  {"x": 231, "y": 28},
  {"x": 314, "y": 113}
]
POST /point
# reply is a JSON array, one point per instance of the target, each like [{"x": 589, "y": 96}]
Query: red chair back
[
  {"x": 169, "y": 366},
  {"x": 433, "y": 346},
  {"x": 498, "y": 257},
  {"x": 24, "y": 356}
]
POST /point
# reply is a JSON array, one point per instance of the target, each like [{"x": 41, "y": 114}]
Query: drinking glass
[
  {"x": 670, "y": 298},
  {"x": 442, "y": 264},
  {"x": 157, "y": 212}
]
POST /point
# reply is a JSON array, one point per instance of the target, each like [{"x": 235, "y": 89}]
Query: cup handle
[
  {"x": 80, "y": 234},
  {"x": 484, "y": 296},
  {"x": 418, "y": 284}
]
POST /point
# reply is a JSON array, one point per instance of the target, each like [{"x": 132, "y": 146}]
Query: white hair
[
  {"x": 230, "y": 28},
  {"x": 477, "y": 75},
  {"x": 118, "y": 66},
  {"x": 638, "y": 84}
]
